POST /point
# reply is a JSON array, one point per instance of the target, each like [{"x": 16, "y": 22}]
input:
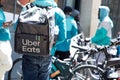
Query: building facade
[
  {"x": 89, "y": 13},
  {"x": 88, "y": 10}
]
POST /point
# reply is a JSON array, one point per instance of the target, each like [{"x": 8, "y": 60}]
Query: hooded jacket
[
  {"x": 103, "y": 33},
  {"x": 4, "y": 32}
]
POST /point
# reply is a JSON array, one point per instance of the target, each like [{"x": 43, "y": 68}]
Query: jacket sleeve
[
  {"x": 74, "y": 29},
  {"x": 101, "y": 37},
  {"x": 60, "y": 21}
]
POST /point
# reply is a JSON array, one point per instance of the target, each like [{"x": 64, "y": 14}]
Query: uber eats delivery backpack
[{"x": 35, "y": 30}]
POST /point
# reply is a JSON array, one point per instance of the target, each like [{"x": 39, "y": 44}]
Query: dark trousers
[
  {"x": 36, "y": 67},
  {"x": 62, "y": 55}
]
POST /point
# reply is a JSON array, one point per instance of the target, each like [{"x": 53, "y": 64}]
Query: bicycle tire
[
  {"x": 85, "y": 72},
  {"x": 10, "y": 72}
]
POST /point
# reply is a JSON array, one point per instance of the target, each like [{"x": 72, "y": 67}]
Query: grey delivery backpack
[{"x": 34, "y": 34}]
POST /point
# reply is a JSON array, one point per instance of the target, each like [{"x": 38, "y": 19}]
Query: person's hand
[{"x": 7, "y": 24}]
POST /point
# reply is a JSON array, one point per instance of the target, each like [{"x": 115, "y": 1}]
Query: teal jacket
[
  {"x": 103, "y": 33},
  {"x": 72, "y": 30},
  {"x": 4, "y": 32}
]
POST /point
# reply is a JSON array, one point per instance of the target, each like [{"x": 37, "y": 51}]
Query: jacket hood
[
  {"x": 104, "y": 12},
  {"x": 45, "y": 3}
]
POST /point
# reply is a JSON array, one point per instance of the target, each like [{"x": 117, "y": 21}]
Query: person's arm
[
  {"x": 101, "y": 37},
  {"x": 7, "y": 24},
  {"x": 74, "y": 28}
]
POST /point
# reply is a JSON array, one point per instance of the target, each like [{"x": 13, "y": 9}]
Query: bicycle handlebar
[
  {"x": 89, "y": 51},
  {"x": 113, "y": 43}
]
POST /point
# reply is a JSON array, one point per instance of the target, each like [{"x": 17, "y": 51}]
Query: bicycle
[
  {"x": 70, "y": 69},
  {"x": 18, "y": 75},
  {"x": 104, "y": 71},
  {"x": 65, "y": 67}
]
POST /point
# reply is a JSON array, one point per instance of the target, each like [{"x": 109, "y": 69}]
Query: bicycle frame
[
  {"x": 109, "y": 63},
  {"x": 67, "y": 66}
]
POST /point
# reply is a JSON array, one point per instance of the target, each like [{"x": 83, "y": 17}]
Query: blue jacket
[
  {"x": 103, "y": 33},
  {"x": 72, "y": 30},
  {"x": 4, "y": 32}
]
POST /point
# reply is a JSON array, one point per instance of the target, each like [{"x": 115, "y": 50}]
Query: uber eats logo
[{"x": 30, "y": 46}]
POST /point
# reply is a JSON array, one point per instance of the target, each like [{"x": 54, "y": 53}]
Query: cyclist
[
  {"x": 103, "y": 34},
  {"x": 104, "y": 31}
]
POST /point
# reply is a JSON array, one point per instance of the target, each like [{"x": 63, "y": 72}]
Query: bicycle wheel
[
  {"x": 16, "y": 71},
  {"x": 87, "y": 72}
]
